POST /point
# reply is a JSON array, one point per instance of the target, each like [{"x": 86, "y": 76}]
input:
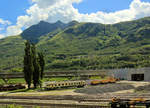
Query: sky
[{"x": 17, "y": 15}]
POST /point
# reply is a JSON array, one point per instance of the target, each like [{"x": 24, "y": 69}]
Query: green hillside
[
  {"x": 11, "y": 52},
  {"x": 34, "y": 32},
  {"x": 85, "y": 46}
]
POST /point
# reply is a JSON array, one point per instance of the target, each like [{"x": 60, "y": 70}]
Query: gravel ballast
[{"x": 104, "y": 88}]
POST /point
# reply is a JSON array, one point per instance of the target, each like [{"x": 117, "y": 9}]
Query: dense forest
[{"x": 82, "y": 46}]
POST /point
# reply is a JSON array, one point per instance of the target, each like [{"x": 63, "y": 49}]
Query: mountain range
[{"x": 82, "y": 45}]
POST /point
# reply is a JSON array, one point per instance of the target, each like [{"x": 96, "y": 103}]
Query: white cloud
[
  {"x": 140, "y": 9},
  {"x": 3, "y": 25},
  {"x": 1, "y": 28},
  {"x": 48, "y": 3},
  {"x": 13, "y": 30},
  {"x": 53, "y": 10},
  {"x": 1, "y": 36},
  {"x": 4, "y": 22}
]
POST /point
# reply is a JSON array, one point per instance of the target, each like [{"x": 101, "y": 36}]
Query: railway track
[
  {"x": 46, "y": 105},
  {"x": 85, "y": 101},
  {"x": 53, "y": 103},
  {"x": 82, "y": 98},
  {"x": 96, "y": 98},
  {"x": 127, "y": 95}
]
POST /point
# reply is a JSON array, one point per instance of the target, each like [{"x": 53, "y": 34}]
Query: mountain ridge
[
  {"x": 42, "y": 28},
  {"x": 85, "y": 45}
]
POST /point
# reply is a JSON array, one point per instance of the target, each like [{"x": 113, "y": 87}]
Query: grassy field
[
  {"x": 10, "y": 106},
  {"x": 13, "y": 81},
  {"x": 15, "y": 106},
  {"x": 22, "y": 81}
]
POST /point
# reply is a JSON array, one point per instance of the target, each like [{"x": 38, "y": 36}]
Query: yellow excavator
[{"x": 129, "y": 103}]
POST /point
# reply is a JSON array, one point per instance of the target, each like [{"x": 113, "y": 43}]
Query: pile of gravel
[
  {"x": 143, "y": 88},
  {"x": 104, "y": 88}
]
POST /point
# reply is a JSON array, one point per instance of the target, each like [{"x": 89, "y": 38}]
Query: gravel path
[{"x": 104, "y": 88}]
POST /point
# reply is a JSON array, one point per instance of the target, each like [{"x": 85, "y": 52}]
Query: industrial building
[{"x": 139, "y": 74}]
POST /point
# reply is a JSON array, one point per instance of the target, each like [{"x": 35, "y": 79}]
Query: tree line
[{"x": 33, "y": 65}]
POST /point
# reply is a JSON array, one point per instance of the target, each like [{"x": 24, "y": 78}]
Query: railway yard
[{"x": 89, "y": 96}]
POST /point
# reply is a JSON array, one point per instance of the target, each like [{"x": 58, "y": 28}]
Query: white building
[{"x": 140, "y": 74}]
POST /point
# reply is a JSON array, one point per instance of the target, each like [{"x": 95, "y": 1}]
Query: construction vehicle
[
  {"x": 105, "y": 81},
  {"x": 128, "y": 103}
]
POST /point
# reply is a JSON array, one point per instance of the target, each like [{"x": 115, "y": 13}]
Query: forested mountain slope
[{"x": 83, "y": 45}]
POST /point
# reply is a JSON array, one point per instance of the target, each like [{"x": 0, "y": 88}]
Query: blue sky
[
  {"x": 89, "y": 6},
  {"x": 23, "y": 13},
  {"x": 11, "y": 9}
]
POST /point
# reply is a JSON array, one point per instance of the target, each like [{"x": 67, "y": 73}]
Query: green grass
[
  {"x": 13, "y": 81},
  {"x": 15, "y": 106},
  {"x": 97, "y": 77},
  {"x": 22, "y": 81},
  {"x": 56, "y": 79},
  {"x": 25, "y": 90},
  {"x": 1, "y": 82},
  {"x": 11, "y": 106},
  {"x": 17, "y": 80},
  {"x": 61, "y": 79}
]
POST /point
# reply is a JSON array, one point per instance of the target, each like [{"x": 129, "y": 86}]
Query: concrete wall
[{"x": 126, "y": 73}]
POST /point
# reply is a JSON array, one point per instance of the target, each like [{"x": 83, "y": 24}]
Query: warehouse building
[{"x": 140, "y": 74}]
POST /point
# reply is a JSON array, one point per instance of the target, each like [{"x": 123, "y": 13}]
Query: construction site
[{"x": 120, "y": 88}]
